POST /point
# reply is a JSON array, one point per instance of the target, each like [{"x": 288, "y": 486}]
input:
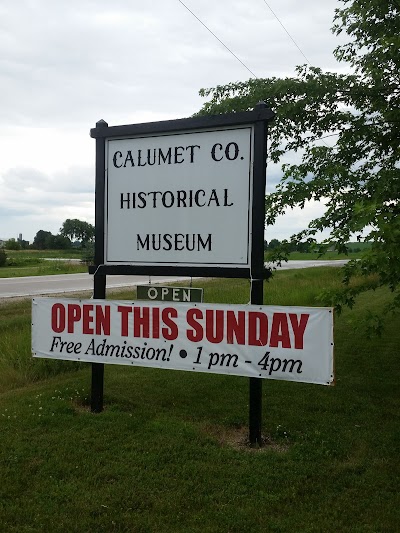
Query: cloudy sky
[{"x": 66, "y": 64}]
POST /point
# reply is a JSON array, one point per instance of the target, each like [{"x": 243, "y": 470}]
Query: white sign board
[
  {"x": 182, "y": 199},
  {"x": 273, "y": 342}
]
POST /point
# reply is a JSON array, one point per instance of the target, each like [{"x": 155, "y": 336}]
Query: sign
[
  {"x": 169, "y": 294},
  {"x": 181, "y": 199},
  {"x": 272, "y": 342}
]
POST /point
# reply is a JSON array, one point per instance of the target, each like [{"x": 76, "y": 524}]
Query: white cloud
[
  {"x": 32, "y": 200},
  {"x": 64, "y": 65},
  {"x": 296, "y": 220}
]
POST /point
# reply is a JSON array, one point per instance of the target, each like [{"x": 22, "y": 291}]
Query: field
[
  {"x": 36, "y": 263},
  {"x": 169, "y": 452}
]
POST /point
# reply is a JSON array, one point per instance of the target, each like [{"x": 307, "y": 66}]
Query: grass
[
  {"x": 33, "y": 263},
  {"x": 43, "y": 269},
  {"x": 40, "y": 254},
  {"x": 168, "y": 452}
]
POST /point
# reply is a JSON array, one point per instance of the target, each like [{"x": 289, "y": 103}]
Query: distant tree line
[
  {"x": 74, "y": 233},
  {"x": 14, "y": 244},
  {"x": 273, "y": 244},
  {"x": 307, "y": 247},
  {"x": 3, "y": 257}
]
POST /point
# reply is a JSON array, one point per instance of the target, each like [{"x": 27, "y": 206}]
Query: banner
[{"x": 272, "y": 342}]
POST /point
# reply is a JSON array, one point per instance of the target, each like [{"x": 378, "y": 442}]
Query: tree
[
  {"x": 76, "y": 229},
  {"x": 59, "y": 242},
  {"x": 303, "y": 247},
  {"x": 3, "y": 257},
  {"x": 273, "y": 244},
  {"x": 43, "y": 240},
  {"x": 88, "y": 254},
  {"x": 12, "y": 244},
  {"x": 24, "y": 244},
  {"x": 357, "y": 179}
]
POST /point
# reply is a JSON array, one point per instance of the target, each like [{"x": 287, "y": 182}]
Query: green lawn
[
  {"x": 33, "y": 263},
  {"x": 168, "y": 454}
]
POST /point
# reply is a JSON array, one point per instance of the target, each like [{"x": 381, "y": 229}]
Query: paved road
[
  {"x": 312, "y": 263},
  {"x": 64, "y": 283}
]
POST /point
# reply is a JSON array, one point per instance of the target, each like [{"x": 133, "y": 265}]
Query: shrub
[
  {"x": 3, "y": 257},
  {"x": 88, "y": 254}
]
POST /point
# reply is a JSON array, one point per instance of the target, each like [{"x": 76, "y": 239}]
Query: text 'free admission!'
[{"x": 273, "y": 342}]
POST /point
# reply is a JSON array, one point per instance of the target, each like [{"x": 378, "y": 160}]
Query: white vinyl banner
[{"x": 273, "y": 342}]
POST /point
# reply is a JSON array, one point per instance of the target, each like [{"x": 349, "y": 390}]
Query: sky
[{"x": 64, "y": 65}]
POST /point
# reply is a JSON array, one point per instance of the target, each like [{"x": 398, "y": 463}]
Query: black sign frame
[{"x": 258, "y": 118}]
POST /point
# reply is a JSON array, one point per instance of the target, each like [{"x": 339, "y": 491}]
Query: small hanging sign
[{"x": 169, "y": 294}]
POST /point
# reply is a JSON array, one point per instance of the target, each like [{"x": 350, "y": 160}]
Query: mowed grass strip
[
  {"x": 43, "y": 269},
  {"x": 169, "y": 454},
  {"x": 33, "y": 263}
]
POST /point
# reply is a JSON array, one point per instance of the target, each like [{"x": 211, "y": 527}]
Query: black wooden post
[
  {"x": 99, "y": 288},
  {"x": 259, "y": 118},
  {"x": 98, "y": 368},
  {"x": 257, "y": 262}
]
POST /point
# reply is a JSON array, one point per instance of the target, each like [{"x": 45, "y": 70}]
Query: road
[
  {"x": 291, "y": 265},
  {"x": 65, "y": 283}
]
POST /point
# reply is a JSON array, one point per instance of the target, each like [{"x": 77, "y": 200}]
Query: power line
[
  {"x": 219, "y": 40},
  {"x": 301, "y": 52},
  {"x": 291, "y": 38},
  {"x": 237, "y": 58}
]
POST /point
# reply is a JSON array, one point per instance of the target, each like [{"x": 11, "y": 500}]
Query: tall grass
[
  {"x": 168, "y": 454},
  {"x": 33, "y": 263},
  {"x": 24, "y": 255},
  {"x": 17, "y": 366}
]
